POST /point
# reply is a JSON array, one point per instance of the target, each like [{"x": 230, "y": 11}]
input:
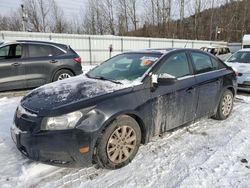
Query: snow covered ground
[{"x": 209, "y": 153}]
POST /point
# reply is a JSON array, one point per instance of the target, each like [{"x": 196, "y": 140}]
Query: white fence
[{"x": 95, "y": 48}]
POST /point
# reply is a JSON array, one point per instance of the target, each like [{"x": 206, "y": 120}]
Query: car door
[
  {"x": 39, "y": 64},
  {"x": 11, "y": 68},
  {"x": 174, "y": 105},
  {"x": 209, "y": 82}
]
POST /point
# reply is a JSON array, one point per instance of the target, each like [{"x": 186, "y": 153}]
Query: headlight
[{"x": 66, "y": 121}]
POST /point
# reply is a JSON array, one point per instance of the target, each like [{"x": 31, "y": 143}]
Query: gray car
[
  {"x": 240, "y": 61},
  {"x": 29, "y": 64}
]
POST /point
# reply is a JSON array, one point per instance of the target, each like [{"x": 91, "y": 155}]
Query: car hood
[
  {"x": 69, "y": 95},
  {"x": 240, "y": 67}
]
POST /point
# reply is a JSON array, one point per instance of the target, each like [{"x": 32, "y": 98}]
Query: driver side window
[{"x": 176, "y": 65}]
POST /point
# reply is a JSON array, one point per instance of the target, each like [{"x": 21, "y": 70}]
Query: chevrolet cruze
[{"x": 104, "y": 116}]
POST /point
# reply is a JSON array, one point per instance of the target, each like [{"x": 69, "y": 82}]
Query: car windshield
[
  {"x": 240, "y": 57},
  {"x": 128, "y": 66}
]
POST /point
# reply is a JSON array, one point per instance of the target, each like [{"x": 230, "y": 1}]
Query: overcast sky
[{"x": 70, "y": 7}]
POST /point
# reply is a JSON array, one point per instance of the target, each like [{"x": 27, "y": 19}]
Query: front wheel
[
  {"x": 62, "y": 74},
  {"x": 225, "y": 106},
  {"x": 119, "y": 143}
]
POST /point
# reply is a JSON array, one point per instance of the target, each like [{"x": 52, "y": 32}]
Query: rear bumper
[
  {"x": 60, "y": 148},
  {"x": 78, "y": 72}
]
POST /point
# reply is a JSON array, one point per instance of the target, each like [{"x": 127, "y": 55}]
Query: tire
[
  {"x": 119, "y": 143},
  {"x": 225, "y": 106},
  {"x": 62, "y": 74}
]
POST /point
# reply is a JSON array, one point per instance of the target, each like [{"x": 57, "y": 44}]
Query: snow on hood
[
  {"x": 71, "y": 90},
  {"x": 240, "y": 67}
]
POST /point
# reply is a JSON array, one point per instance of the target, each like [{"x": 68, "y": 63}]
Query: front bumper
[
  {"x": 243, "y": 82},
  {"x": 60, "y": 148}
]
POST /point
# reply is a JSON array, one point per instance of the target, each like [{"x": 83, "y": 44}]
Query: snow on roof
[{"x": 245, "y": 50}]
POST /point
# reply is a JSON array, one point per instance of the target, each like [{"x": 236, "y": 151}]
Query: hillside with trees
[{"x": 226, "y": 20}]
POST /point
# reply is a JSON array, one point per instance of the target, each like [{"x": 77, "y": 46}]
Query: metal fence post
[
  {"x": 2, "y": 36},
  {"x": 149, "y": 43},
  {"x": 172, "y": 43},
  {"x": 90, "y": 53},
  {"x": 121, "y": 44}
]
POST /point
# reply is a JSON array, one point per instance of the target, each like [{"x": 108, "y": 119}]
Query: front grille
[
  {"x": 243, "y": 86},
  {"x": 24, "y": 124},
  {"x": 246, "y": 83}
]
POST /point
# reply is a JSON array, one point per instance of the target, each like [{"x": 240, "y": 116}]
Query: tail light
[{"x": 78, "y": 60}]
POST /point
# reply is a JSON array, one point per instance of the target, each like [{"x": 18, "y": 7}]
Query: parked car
[
  {"x": 222, "y": 52},
  {"x": 29, "y": 64},
  {"x": 240, "y": 61},
  {"x": 103, "y": 117}
]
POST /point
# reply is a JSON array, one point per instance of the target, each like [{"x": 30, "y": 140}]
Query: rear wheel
[
  {"x": 119, "y": 143},
  {"x": 225, "y": 106},
  {"x": 62, "y": 74}
]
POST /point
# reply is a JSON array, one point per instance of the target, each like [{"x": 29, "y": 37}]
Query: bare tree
[
  {"x": 12, "y": 22},
  {"x": 38, "y": 12},
  {"x": 108, "y": 11},
  {"x": 122, "y": 7},
  {"x": 58, "y": 23},
  {"x": 132, "y": 12}
]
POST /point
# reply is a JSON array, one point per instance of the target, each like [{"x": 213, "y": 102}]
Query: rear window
[
  {"x": 217, "y": 64},
  {"x": 72, "y": 51},
  {"x": 36, "y": 50},
  {"x": 202, "y": 62}
]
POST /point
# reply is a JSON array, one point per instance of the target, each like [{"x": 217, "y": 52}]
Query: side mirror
[{"x": 163, "y": 79}]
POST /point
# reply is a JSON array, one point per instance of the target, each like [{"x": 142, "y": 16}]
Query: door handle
[
  {"x": 53, "y": 61},
  {"x": 15, "y": 64}
]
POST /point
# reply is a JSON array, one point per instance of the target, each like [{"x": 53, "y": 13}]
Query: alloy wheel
[
  {"x": 227, "y": 104},
  {"x": 63, "y": 76},
  {"x": 121, "y": 144}
]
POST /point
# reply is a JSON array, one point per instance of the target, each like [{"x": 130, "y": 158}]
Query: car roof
[
  {"x": 162, "y": 51},
  {"x": 149, "y": 51},
  {"x": 213, "y": 47},
  {"x": 31, "y": 41},
  {"x": 244, "y": 50}
]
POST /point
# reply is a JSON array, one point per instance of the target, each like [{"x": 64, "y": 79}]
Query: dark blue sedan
[{"x": 104, "y": 116}]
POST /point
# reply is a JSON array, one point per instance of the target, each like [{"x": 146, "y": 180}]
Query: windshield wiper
[{"x": 103, "y": 78}]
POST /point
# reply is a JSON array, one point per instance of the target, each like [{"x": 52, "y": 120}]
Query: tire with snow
[
  {"x": 119, "y": 143},
  {"x": 62, "y": 74},
  {"x": 225, "y": 105}
]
